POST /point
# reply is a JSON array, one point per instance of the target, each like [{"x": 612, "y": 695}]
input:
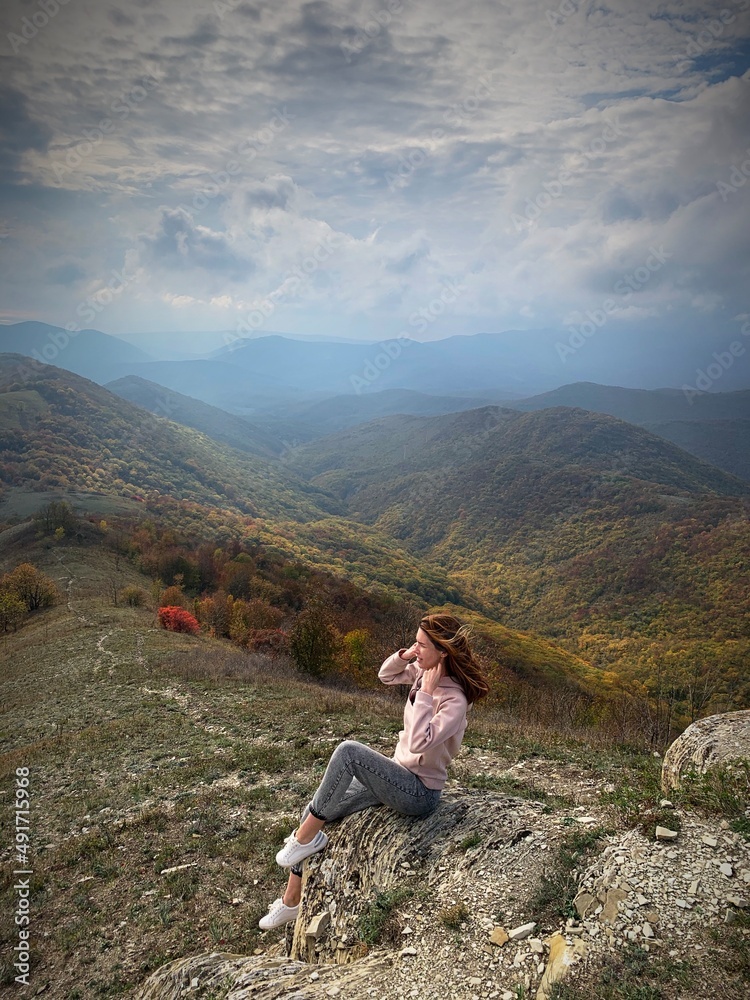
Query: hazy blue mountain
[
  {"x": 264, "y": 373},
  {"x": 641, "y": 406},
  {"x": 339, "y": 412},
  {"x": 218, "y": 383},
  {"x": 456, "y": 365},
  {"x": 90, "y": 353},
  {"x": 211, "y": 420},
  {"x": 226, "y": 385}
]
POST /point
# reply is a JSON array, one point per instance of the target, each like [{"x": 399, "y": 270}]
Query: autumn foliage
[{"x": 178, "y": 620}]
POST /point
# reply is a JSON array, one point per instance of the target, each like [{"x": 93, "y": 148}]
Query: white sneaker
[
  {"x": 278, "y": 914},
  {"x": 293, "y": 852}
]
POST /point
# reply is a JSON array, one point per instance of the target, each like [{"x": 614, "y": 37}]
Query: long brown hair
[{"x": 451, "y": 637}]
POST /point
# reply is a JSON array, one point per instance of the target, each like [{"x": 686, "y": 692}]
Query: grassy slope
[{"x": 149, "y": 750}]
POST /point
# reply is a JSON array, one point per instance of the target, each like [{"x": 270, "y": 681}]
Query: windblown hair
[{"x": 452, "y": 638}]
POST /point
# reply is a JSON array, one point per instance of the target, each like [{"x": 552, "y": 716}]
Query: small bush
[
  {"x": 555, "y": 894},
  {"x": 12, "y": 611},
  {"x": 178, "y": 620},
  {"x": 30, "y": 586},
  {"x": 453, "y": 916},
  {"x": 272, "y": 640},
  {"x": 723, "y": 790},
  {"x": 135, "y": 597},
  {"x": 172, "y": 597},
  {"x": 378, "y": 916},
  {"x": 473, "y": 840}
]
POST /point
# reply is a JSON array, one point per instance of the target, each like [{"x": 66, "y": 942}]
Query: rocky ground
[{"x": 470, "y": 884}]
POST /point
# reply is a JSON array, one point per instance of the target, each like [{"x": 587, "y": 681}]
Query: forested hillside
[
  {"x": 61, "y": 431},
  {"x": 576, "y": 525}
]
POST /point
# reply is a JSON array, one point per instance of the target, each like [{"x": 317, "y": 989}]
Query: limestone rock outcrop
[
  {"x": 717, "y": 739},
  {"x": 475, "y": 848}
]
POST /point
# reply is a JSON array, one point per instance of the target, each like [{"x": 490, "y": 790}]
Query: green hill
[
  {"x": 59, "y": 431},
  {"x": 573, "y": 524},
  {"x": 712, "y": 426},
  {"x": 724, "y": 443}
]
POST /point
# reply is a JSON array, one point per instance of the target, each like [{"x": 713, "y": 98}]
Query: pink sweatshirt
[{"x": 433, "y": 726}]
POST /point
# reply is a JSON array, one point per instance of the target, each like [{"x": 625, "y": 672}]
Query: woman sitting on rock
[{"x": 446, "y": 680}]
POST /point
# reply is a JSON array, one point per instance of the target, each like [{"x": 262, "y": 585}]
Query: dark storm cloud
[
  {"x": 179, "y": 243},
  {"x": 19, "y": 132},
  {"x": 274, "y": 192},
  {"x": 65, "y": 274},
  {"x": 205, "y": 32},
  {"x": 120, "y": 19}
]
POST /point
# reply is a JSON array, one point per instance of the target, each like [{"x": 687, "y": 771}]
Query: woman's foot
[
  {"x": 293, "y": 852},
  {"x": 278, "y": 915}
]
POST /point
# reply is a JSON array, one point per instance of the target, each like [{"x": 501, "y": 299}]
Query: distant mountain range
[
  {"x": 90, "y": 353},
  {"x": 643, "y": 406},
  {"x": 717, "y": 434},
  {"x": 295, "y": 390},
  {"x": 248, "y": 375}
]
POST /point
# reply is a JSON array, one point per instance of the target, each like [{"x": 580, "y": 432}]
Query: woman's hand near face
[
  {"x": 409, "y": 653},
  {"x": 431, "y": 678}
]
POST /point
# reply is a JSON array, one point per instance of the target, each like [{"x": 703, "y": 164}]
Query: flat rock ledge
[
  {"x": 717, "y": 739},
  {"x": 261, "y": 977}
]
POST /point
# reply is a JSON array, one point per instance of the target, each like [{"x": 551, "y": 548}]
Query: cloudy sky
[{"x": 365, "y": 169}]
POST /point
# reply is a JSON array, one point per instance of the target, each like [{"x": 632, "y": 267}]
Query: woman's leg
[
  {"x": 293, "y": 892},
  {"x": 356, "y": 799},
  {"x": 378, "y": 780},
  {"x": 357, "y": 777}
]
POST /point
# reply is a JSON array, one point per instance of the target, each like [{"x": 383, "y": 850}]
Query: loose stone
[{"x": 664, "y": 833}]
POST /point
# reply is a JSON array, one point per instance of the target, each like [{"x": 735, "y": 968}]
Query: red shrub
[
  {"x": 273, "y": 640},
  {"x": 178, "y": 620}
]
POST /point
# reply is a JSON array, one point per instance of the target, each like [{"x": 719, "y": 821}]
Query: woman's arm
[{"x": 396, "y": 669}]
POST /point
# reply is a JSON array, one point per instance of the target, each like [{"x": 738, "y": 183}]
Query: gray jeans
[{"x": 358, "y": 777}]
